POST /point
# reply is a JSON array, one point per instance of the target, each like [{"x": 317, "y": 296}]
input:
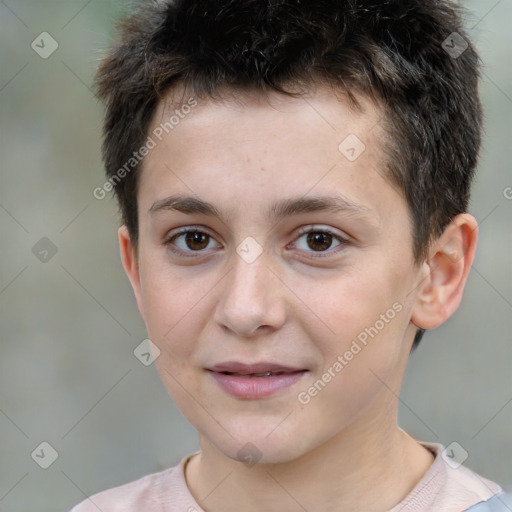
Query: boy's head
[
  {"x": 409, "y": 57},
  {"x": 255, "y": 112}
]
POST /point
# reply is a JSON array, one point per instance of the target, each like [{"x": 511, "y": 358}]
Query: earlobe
[
  {"x": 445, "y": 273},
  {"x": 130, "y": 264}
]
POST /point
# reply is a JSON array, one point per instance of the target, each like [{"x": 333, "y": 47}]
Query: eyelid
[
  {"x": 325, "y": 229},
  {"x": 185, "y": 229}
]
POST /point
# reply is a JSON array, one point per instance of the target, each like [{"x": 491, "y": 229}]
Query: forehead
[
  {"x": 332, "y": 107},
  {"x": 277, "y": 145}
]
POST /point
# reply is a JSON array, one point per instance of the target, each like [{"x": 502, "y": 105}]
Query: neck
[{"x": 369, "y": 468}]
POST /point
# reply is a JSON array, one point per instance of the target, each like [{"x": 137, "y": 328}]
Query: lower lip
[{"x": 252, "y": 388}]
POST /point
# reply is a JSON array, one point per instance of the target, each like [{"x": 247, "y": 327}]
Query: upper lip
[{"x": 246, "y": 369}]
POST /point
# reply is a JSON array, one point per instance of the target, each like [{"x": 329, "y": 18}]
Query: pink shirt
[{"x": 442, "y": 489}]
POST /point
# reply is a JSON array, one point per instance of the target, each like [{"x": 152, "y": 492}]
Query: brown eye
[
  {"x": 196, "y": 240},
  {"x": 319, "y": 240},
  {"x": 189, "y": 241}
]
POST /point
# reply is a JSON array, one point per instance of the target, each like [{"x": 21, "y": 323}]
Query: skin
[{"x": 343, "y": 449}]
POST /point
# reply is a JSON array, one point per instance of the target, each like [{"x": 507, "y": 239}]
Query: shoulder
[
  {"x": 141, "y": 495},
  {"x": 449, "y": 486},
  {"x": 501, "y": 502},
  {"x": 462, "y": 486}
]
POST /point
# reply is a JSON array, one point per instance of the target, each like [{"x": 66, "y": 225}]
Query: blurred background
[{"x": 69, "y": 322}]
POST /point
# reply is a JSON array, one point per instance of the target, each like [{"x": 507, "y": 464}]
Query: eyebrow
[{"x": 277, "y": 211}]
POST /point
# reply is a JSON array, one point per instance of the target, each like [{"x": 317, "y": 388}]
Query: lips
[
  {"x": 254, "y": 381},
  {"x": 257, "y": 370}
]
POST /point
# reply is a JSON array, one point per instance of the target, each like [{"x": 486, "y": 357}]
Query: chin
[{"x": 256, "y": 446}]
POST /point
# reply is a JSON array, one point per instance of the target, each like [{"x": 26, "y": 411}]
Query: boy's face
[{"x": 211, "y": 300}]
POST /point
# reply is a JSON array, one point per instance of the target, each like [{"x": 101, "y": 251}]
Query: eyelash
[{"x": 303, "y": 231}]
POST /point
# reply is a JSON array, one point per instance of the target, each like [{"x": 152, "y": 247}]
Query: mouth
[
  {"x": 263, "y": 369},
  {"x": 264, "y": 374},
  {"x": 254, "y": 381}
]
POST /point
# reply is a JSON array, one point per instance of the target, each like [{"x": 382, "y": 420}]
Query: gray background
[{"x": 68, "y": 375}]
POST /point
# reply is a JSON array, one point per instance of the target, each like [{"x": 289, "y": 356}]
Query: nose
[{"x": 252, "y": 299}]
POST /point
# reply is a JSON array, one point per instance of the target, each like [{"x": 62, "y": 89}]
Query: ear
[
  {"x": 445, "y": 272},
  {"x": 131, "y": 264}
]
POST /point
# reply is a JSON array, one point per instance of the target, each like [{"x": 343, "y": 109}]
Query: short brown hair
[{"x": 411, "y": 56}]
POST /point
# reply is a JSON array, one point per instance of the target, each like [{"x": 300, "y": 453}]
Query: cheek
[
  {"x": 354, "y": 303},
  {"x": 166, "y": 291},
  {"x": 367, "y": 318},
  {"x": 173, "y": 305}
]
